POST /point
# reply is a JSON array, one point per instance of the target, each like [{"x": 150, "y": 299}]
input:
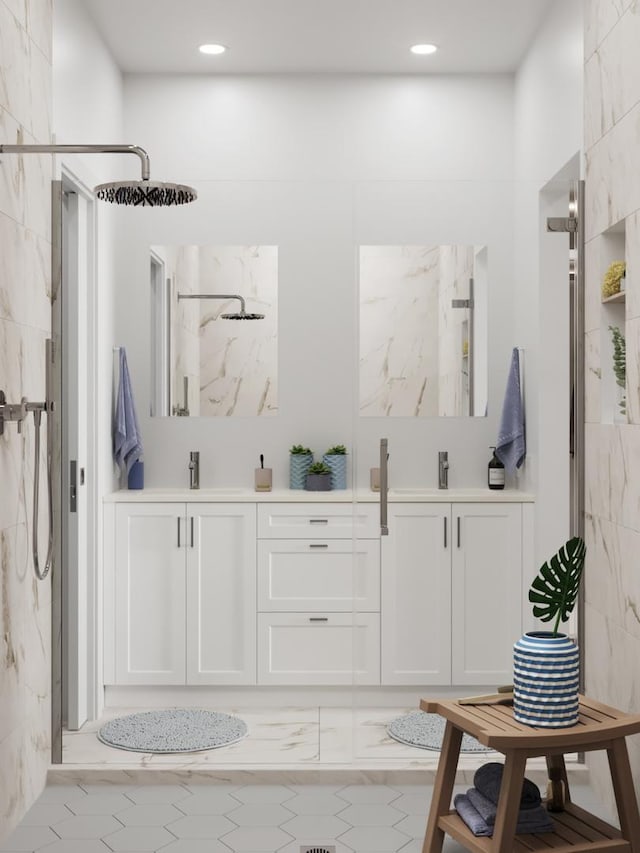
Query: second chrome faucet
[{"x": 194, "y": 469}]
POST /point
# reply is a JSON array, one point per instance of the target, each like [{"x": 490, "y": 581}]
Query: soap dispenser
[{"x": 495, "y": 472}]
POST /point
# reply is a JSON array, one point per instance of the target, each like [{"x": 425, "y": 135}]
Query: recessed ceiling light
[
  {"x": 423, "y": 49},
  {"x": 212, "y": 49}
]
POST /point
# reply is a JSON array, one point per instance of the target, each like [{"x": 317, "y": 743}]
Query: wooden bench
[{"x": 576, "y": 830}]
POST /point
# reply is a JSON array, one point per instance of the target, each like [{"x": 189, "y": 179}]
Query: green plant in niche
[
  {"x": 553, "y": 592},
  {"x": 299, "y": 450},
  {"x": 336, "y": 450},
  {"x": 319, "y": 468},
  {"x": 619, "y": 362},
  {"x": 612, "y": 278}
]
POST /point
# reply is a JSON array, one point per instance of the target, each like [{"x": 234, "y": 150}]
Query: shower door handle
[
  {"x": 384, "y": 481},
  {"x": 73, "y": 486}
]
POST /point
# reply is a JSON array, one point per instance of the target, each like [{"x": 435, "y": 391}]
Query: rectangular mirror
[
  {"x": 423, "y": 331},
  {"x": 214, "y": 335}
]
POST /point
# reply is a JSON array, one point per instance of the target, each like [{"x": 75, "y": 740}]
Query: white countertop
[{"x": 241, "y": 495}]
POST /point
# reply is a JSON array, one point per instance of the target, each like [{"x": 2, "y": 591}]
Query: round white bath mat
[
  {"x": 426, "y": 731},
  {"x": 173, "y": 730}
]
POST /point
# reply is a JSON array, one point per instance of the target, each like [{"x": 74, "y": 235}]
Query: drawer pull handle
[
  {"x": 318, "y": 545},
  {"x": 179, "y": 546},
  {"x": 318, "y": 521},
  {"x": 318, "y": 618}
]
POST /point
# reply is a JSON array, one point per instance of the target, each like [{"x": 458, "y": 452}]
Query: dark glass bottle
[{"x": 495, "y": 472}]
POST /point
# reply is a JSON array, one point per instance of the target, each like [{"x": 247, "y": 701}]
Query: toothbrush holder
[{"x": 263, "y": 479}]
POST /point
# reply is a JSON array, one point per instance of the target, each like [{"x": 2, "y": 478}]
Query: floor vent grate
[{"x": 315, "y": 849}]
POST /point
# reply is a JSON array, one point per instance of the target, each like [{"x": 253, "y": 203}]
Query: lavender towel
[
  {"x": 536, "y": 821},
  {"x": 529, "y": 820},
  {"x": 127, "y": 441},
  {"x": 511, "y": 444},
  {"x": 488, "y": 779}
]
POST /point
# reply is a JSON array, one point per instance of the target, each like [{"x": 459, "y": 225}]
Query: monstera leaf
[{"x": 554, "y": 591}]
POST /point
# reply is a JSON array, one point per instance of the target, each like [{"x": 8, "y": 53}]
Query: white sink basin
[
  {"x": 417, "y": 491},
  {"x": 221, "y": 491}
]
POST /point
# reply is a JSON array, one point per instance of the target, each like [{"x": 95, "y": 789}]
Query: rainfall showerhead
[
  {"x": 242, "y": 314},
  {"x": 143, "y": 193}
]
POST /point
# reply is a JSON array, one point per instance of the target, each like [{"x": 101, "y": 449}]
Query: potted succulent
[
  {"x": 318, "y": 478},
  {"x": 300, "y": 460},
  {"x": 336, "y": 460},
  {"x": 546, "y": 663}
]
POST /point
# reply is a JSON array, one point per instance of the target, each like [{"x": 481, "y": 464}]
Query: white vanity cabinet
[
  {"x": 318, "y": 594},
  {"x": 183, "y": 593},
  {"x": 451, "y": 592}
]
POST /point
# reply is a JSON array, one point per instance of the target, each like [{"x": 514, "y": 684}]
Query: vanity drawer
[
  {"x": 328, "y": 648},
  {"x": 325, "y": 520},
  {"x": 314, "y": 575}
]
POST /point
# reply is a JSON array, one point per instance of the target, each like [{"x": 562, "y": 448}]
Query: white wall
[
  {"x": 318, "y": 165},
  {"x": 548, "y": 134}
]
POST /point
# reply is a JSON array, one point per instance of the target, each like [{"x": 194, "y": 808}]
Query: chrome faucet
[
  {"x": 194, "y": 469},
  {"x": 443, "y": 469}
]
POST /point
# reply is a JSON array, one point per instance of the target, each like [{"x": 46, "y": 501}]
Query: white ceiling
[{"x": 289, "y": 36}]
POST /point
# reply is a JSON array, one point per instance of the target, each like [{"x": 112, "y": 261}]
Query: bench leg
[
  {"x": 624, "y": 791},
  {"x": 509, "y": 801},
  {"x": 557, "y": 761},
  {"x": 443, "y": 788}
]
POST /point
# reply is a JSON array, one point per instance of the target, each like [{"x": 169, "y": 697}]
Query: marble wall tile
[
  {"x": 25, "y": 275},
  {"x": 612, "y": 77},
  {"x": 632, "y": 250},
  {"x": 601, "y": 16},
  {"x": 12, "y": 180},
  {"x": 592, "y": 277},
  {"x": 39, "y": 23},
  {"x": 632, "y": 336},
  {"x": 592, "y": 377},
  {"x": 612, "y": 175},
  {"x": 18, "y": 8}
]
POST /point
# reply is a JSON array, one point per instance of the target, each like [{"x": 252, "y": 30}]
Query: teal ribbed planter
[
  {"x": 299, "y": 464},
  {"x": 337, "y": 462}
]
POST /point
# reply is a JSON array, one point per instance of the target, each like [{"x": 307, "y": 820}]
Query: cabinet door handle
[
  {"x": 179, "y": 545},
  {"x": 318, "y": 545},
  {"x": 445, "y": 531},
  {"x": 458, "y": 531},
  {"x": 192, "y": 531},
  {"x": 318, "y": 618},
  {"x": 318, "y": 521}
]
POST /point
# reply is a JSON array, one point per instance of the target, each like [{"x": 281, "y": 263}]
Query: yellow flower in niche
[
  {"x": 611, "y": 281},
  {"x": 465, "y": 347}
]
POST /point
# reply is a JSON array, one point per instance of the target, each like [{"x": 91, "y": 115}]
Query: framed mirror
[
  {"x": 423, "y": 331},
  {"x": 214, "y": 335}
]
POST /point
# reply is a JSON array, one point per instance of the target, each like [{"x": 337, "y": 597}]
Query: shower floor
[{"x": 288, "y": 739}]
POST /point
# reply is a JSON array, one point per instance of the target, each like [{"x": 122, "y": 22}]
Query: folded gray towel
[
  {"x": 470, "y": 816},
  {"x": 534, "y": 819},
  {"x": 511, "y": 443},
  {"x": 530, "y": 821},
  {"x": 487, "y": 780}
]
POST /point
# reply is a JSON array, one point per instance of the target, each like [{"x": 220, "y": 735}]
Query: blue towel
[
  {"x": 127, "y": 441},
  {"x": 511, "y": 446}
]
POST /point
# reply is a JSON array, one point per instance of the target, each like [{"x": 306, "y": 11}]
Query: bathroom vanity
[{"x": 230, "y": 587}]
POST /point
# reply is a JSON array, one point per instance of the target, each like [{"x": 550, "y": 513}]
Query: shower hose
[{"x": 41, "y": 573}]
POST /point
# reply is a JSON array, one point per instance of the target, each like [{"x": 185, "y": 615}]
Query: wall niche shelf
[{"x": 615, "y": 299}]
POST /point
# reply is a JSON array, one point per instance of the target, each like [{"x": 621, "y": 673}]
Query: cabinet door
[
  {"x": 150, "y": 593},
  {"x": 221, "y": 593},
  {"x": 336, "y": 575},
  {"x": 416, "y": 595},
  {"x": 486, "y": 591},
  {"x": 328, "y": 648}
]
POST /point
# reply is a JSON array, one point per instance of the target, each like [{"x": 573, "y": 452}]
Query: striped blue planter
[
  {"x": 545, "y": 680},
  {"x": 337, "y": 462},
  {"x": 299, "y": 464}
]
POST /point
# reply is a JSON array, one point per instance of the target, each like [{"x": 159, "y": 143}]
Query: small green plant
[
  {"x": 336, "y": 450},
  {"x": 299, "y": 450},
  {"x": 619, "y": 362},
  {"x": 553, "y": 592},
  {"x": 319, "y": 468}
]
